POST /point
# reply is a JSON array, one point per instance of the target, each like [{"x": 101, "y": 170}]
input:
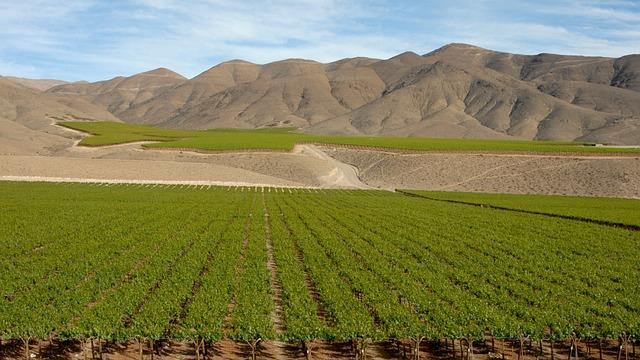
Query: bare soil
[
  {"x": 230, "y": 350},
  {"x": 304, "y": 167},
  {"x": 616, "y": 176},
  {"x": 312, "y": 165}
]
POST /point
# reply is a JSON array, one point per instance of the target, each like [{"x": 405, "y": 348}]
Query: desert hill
[
  {"x": 121, "y": 93},
  {"x": 458, "y": 90},
  {"x": 27, "y": 115},
  {"x": 37, "y": 84}
]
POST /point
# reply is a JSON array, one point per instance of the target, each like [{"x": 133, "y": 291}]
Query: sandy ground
[
  {"x": 48, "y": 168},
  {"x": 341, "y": 174},
  {"x": 321, "y": 166},
  {"x": 63, "y": 160},
  {"x": 503, "y": 173}
]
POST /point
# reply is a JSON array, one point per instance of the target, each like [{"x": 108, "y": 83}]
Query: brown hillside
[
  {"x": 37, "y": 84},
  {"x": 26, "y": 117},
  {"x": 458, "y": 90}
]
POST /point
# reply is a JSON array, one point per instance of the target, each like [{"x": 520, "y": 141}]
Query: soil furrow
[
  {"x": 276, "y": 286},
  {"x": 321, "y": 312},
  {"x": 239, "y": 270}
]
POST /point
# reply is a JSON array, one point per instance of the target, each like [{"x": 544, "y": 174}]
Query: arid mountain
[
  {"x": 465, "y": 91},
  {"x": 121, "y": 93},
  {"x": 186, "y": 94},
  {"x": 38, "y": 84},
  {"x": 27, "y": 115},
  {"x": 458, "y": 90}
]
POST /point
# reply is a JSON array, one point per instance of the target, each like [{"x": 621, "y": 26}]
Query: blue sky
[{"x": 95, "y": 40}]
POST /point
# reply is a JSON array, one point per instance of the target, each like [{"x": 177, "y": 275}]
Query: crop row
[{"x": 125, "y": 262}]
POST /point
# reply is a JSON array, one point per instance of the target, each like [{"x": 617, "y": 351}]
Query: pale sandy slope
[
  {"x": 25, "y": 156},
  {"x": 59, "y": 169},
  {"x": 323, "y": 166},
  {"x": 32, "y": 146},
  {"x": 539, "y": 174}
]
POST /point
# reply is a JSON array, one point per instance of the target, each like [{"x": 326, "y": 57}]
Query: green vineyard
[
  {"x": 201, "y": 264},
  {"x": 103, "y": 133},
  {"x": 615, "y": 211}
]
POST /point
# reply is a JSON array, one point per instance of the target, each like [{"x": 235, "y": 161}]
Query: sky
[{"x": 100, "y": 39}]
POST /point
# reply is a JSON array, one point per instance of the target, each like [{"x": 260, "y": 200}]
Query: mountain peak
[
  {"x": 405, "y": 55},
  {"x": 236, "y": 62},
  {"x": 508, "y": 95},
  {"x": 161, "y": 71},
  {"x": 294, "y": 61},
  {"x": 456, "y": 47}
]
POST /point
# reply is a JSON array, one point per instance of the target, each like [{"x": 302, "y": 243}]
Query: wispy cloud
[
  {"x": 94, "y": 40},
  {"x": 602, "y": 10},
  {"x": 9, "y": 68}
]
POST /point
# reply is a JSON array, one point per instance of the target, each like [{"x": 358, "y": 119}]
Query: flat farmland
[
  {"x": 102, "y": 133},
  {"x": 615, "y": 211},
  {"x": 174, "y": 268}
]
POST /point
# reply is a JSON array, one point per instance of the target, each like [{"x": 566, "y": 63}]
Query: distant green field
[
  {"x": 284, "y": 139},
  {"x": 613, "y": 210}
]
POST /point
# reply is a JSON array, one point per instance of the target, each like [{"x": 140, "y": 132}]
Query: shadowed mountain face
[
  {"x": 456, "y": 91},
  {"x": 27, "y": 115}
]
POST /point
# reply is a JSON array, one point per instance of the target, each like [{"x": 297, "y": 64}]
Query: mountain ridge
[{"x": 458, "y": 90}]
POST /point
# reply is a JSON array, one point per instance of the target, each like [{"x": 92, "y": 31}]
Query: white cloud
[
  {"x": 595, "y": 9},
  {"x": 94, "y": 40},
  {"x": 199, "y": 32},
  {"x": 532, "y": 38}
]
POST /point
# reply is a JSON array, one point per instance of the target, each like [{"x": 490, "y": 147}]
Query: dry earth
[
  {"x": 230, "y": 350},
  {"x": 304, "y": 167},
  {"x": 55, "y": 156},
  {"x": 457, "y": 91},
  {"x": 503, "y": 173}
]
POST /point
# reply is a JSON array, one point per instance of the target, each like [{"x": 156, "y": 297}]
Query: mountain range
[{"x": 457, "y": 91}]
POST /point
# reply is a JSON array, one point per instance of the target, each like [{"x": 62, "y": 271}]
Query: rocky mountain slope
[
  {"x": 27, "y": 115},
  {"x": 458, "y": 90}
]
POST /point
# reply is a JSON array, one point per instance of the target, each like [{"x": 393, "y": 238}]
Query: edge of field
[
  {"x": 163, "y": 141},
  {"x": 424, "y": 194}
]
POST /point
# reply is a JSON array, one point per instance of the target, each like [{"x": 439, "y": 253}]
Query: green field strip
[
  {"x": 108, "y": 319},
  {"x": 68, "y": 294},
  {"x": 188, "y": 263},
  {"x": 415, "y": 285},
  {"x": 239, "y": 268},
  {"x": 578, "y": 276},
  {"x": 157, "y": 316},
  {"x": 392, "y": 318},
  {"x": 251, "y": 317},
  {"x": 165, "y": 303},
  {"x": 615, "y": 212},
  {"x": 445, "y": 255},
  {"x": 382, "y": 294},
  {"x": 83, "y": 261},
  {"x": 177, "y": 320},
  {"x": 284, "y": 139},
  {"x": 301, "y": 322},
  {"x": 24, "y": 272},
  {"x": 347, "y": 317},
  {"x": 205, "y": 315}
]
